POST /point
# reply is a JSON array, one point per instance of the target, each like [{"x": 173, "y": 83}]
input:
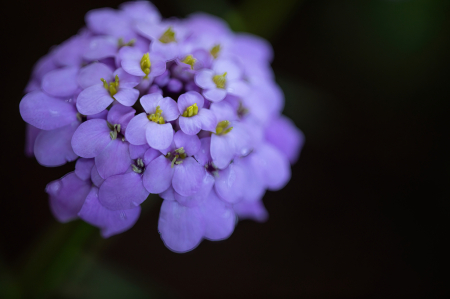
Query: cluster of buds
[{"x": 186, "y": 109}]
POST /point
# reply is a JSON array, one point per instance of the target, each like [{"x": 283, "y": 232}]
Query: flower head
[{"x": 185, "y": 109}]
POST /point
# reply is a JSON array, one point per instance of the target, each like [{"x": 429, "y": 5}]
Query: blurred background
[{"x": 365, "y": 215}]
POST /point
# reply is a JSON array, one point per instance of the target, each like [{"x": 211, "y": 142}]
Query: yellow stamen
[
  {"x": 123, "y": 44},
  {"x": 220, "y": 80},
  {"x": 146, "y": 64},
  {"x": 156, "y": 117},
  {"x": 191, "y": 110},
  {"x": 222, "y": 129},
  {"x": 112, "y": 87},
  {"x": 168, "y": 36},
  {"x": 215, "y": 51},
  {"x": 189, "y": 60}
]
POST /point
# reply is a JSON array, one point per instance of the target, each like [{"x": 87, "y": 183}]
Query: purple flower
[
  {"x": 104, "y": 140},
  {"x": 152, "y": 127},
  {"x": 209, "y": 136},
  {"x": 193, "y": 117},
  {"x": 176, "y": 168},
  {"x": 225, "y": 77},
  {"x": 97, "y": 98}
]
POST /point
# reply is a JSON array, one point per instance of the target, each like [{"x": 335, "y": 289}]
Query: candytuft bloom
[{"x": 185, "y": 109}]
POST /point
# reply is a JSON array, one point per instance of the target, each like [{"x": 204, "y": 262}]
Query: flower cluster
[{"x": 185, "y": 109}]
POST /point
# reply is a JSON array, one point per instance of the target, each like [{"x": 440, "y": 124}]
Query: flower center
[
  {"x": 168, "y": 36},
  {"x": 112, "y": 87},
  {"x": 146, "y": 64},
  {"x": 123, "y": 44},
  {"x": 115, "y": 130},
  {"x": 241, "y": 111},
  {"x": 139, "y": 166},
  {"x": 220, "y": 80},
  {"x": 222, "y": 127},
  {"x": 189, "y": 60},
  {"x": 215, "y": 51},
  {"x": 191, "y": 110},
  {"x": 157, "y": 117},
  {"x": 177, "y": 156}
]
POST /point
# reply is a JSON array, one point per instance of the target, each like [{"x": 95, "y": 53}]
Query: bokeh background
[{"x": 365, "y": 215}]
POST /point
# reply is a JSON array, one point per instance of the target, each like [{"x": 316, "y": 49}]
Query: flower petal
[
  {"x": 219, "y": 218},
  {"x": 45, "y": 112},
  {"x": 67, "y": 196},
  {"x": 222, "y": 150},
  {"x": 127, "y": 96},
  {"x": 215, "y": 94},
  {"x": 53, "y": 148},
  {"x": 158, "y": 175},
  {"x": 136, "y": 129},
  {"x": 190, "y": 125},
  {"x": 188, "y": 99},
  {"x": 60, "y": 82},
  {"x": 190, "y": 143},
  {"x": 208, "y": 120},
  {"x": 150, "y": 101},
  {"x": 119, "y": 114},
  {"x": 200, "y": 196},
  {"x": 159, "y": 136},
  {"x": 93, "y": 100},
  {"x": 203, "y": 155},
  {"x": 92, "y": 73},
  {"x": 181, "y": 228},
  {"x": 254, "y": 210},
  {"x": 83, "y": 168},
  {"x": 110, "y": 222},
  {"x": 204, "y": 79},
  {"x": 137, "y": 151},
  {"x": 169, "y": 109},
  {"x": 90, "y": 138},
  {"x": 123, "y": 191},
  {"x": 188, "y": 177},
  {"x": 114, "y": 159},
  {"x": 96, "y": 179}
]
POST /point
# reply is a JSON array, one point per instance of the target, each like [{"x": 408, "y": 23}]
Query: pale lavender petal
[
  {"x": 83, "y": 168},
  {"x": 274, "y": 166},
  {"x": 207, "y": 119},
  {"x": 92, "y": 73},
  {"x": 110, "y": 22},
  {"x": 150, "y": 101},
  {"x": 123, "y": 191},
  {"x": 158, "y": 175},
  {"x": 203, "y": 155},
  {"x": 190, "y": 125},
  {"x": 215, "y": 94},
  {"x": 200, "y": 196},
  {"x": 101, "y": 47},
  {"x": 181, "y": 228},
  {"x": 159, "y": 136},
  {"x": 188, "y": 99},
  {"x": 238, "y": 88},
  {"x": 188, "y": 177},
  {"x": 222, "y": 150},
  {"x": 150, "y": 155},
  {"x": 53, "y": 148},
  {"x": 228, "y": 66},
  {"x": 223, "y": 111},
  {"x": 61, "y": 82},
  {"x": 119, "y": 114},
  {"x": 131, "y": 60},
  {"x": 286, "y": 137},
  {"x": 126, "y": 80},
  {"x": 204, "y": 79},
  {"x": 93, "y": 100},
  {"x": 100, "y": 115},
  {"x": 110, "y": 222},
  {"x": 136, "y": 129},
  {"x": 158, "y": 65},
  {"x": 251, "y": 210},
  {"x": 219, "y": 218},
  {"x": 169, "y": 109},
  {"x": 96, "y": 179},
  {"x": 137, "y": 151},
  {"x": 190, "y": 143},
  {"x": 69, "y": 53},
  {"x": 230, "y": 184},
  {"x": 45, "y": 112},
  {"x": 169, "y": 194},
  {"x": 174, "y": 85},
  {"x": 127, "y": 96},
  {"x": 114, "y": 159},
  {"x": 91, "y": 138},
  {"x": 67, "y": 196}
]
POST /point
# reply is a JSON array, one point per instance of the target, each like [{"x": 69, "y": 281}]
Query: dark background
[{"x": 366, "y": 213}]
